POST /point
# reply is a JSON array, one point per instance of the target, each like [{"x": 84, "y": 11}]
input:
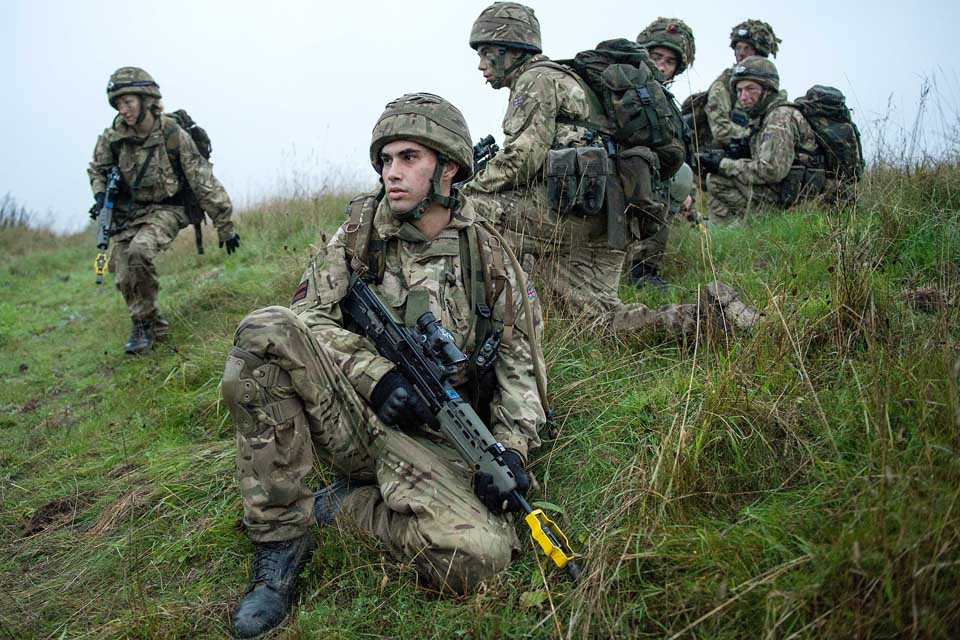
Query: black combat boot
[
  {"x": 274, "y": 573},
  {"x": 141, "y": 338},
  {"x": 327, "y": 501},
  {"x": 642, "y": 275}
]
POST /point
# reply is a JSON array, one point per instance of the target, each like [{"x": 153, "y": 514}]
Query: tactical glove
[
  {"x": 232, "y": 244},
  {"x": 708, "y": 161},
  {"x": 398, "y": 404},
  {"x": 95, "y": 209},
  {"x": 738, "y": 148},
  {"x": 491, "y": 496}
]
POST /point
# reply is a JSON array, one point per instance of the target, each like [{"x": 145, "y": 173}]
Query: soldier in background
[
  {"x": 782, "y": 148},
  {"x": 750, "y": 38},
  {"x": 300, "y": 383},
  {"x": 672, "y": 48},
  {"x": 157, "y": 160},
  {"x": 548, "y": 104}
]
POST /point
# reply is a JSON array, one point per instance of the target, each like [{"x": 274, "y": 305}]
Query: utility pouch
[
  {"x": 592, "y": 169},
  {"x": 814, "y": 182},
  {"x": 561, "y": 180},
  {"x": 792, "y": 185}
]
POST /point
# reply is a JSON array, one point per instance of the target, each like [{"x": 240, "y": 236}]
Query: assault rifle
[
  {"x": 737, "y": 148},
  {"x": 427, "y": 356},
  {"x": 105, "y": 218},
  {"x": 483, "y": 151}
]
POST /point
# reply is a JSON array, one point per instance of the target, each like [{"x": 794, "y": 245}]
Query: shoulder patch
[
  {"x": 301, "y": 292},
  {"x": 519, "y": 100},
  {"x": 712, "y": 106},
  {"x": 531, "y": 292},
  {"x": 764, "y": 137}
]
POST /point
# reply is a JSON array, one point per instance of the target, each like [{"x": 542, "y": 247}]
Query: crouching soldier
[
  {"x": 158, "y": 162},
  {"x": 781, "y": 167},
  {"x": 302, "y": 381}
]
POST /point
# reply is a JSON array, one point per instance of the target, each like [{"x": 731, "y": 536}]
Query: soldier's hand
[
  {"x": 490, "y": 495},
  {"x": 707, "y": 161},
  {"x": 398, "y": 404},
  {"x": 232, "y": 244},
  {"x": 95, "y": 209}
]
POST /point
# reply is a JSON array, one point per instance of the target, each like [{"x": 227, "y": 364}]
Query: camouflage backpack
[
  {"x": 190, "y": 205},
  {"x": 639, "y": 109},
  {"x": 838, "y": 137}
]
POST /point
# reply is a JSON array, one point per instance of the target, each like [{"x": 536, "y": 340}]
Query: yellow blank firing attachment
[
  {"x": 100, "y": 266},
  {"x": 548, "y": 535}
]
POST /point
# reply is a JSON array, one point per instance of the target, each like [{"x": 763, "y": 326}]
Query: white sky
[{"x": 289, "y": 90}]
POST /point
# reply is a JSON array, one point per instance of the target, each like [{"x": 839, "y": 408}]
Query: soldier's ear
[{"x": 449, "y": 170}]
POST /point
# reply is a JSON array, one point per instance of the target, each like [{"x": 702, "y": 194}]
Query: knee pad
[{"x": 246, "y": 388}]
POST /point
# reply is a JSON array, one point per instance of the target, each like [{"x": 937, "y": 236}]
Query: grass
[{"x": 799, "y": 482}]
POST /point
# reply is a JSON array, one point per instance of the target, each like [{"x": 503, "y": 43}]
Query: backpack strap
[
  {"x": 495, "y": 280},
  {"x": 364, "y": 247}
]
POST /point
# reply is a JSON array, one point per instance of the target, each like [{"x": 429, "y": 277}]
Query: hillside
[{"x": 799, "y": 482}]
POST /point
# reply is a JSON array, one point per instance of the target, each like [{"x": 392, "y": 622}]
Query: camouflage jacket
[
  {"x": 161, "y": 182},
  {"x": 719, "y": 105},
  {"x": 783, "y": 139},
  {"x": 539, "y": 96},
  {"x": 420, "y": 276}
]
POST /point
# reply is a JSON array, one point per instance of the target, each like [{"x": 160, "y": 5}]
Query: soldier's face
[
  {"x": 666, "y": 61},
  {"x": 489, "y": 56},
  {"x": 129, "y": 108},
  {"x": 749, "y": 93},
  {"x": 407, "y": 170},
  {"x": 742, "y": 50}
]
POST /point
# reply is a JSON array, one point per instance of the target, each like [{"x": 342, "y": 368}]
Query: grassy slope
[{"x": 800, "y": 482}]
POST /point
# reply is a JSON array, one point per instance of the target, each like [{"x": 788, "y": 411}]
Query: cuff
[
  {"x": 726, "y": 166},
  {"x": 371, "y": 375},
  {"x": 225, "y": 231}
]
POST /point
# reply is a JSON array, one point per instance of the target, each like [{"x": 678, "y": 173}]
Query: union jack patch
[
  {"x": 531, "y": 292},
  {"x": 519, "y": 100}
]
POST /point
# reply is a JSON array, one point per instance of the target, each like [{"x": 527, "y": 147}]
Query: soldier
[
  {"x": 299, "y": 381},
  {"x": 782, "y": 147},
  {"x": 672, "y": 48},
  {"x": 548, "y": 104},
  {"x": 158, "y": 161},
  {"x": 750, "y": 38}
]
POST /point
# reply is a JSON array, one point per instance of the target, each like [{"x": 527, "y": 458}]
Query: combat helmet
[
  {"x": 760, "y": 70},
  {"x": 757, "y": 34},
  {"x": 673, "y": 34},
  {"x": 508, "y": 24},
  {"x": 435, "y": 123},
  {"x": 131, "y": 80}
]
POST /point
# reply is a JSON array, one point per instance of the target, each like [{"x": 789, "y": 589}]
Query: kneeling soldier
[{"x": 303, "y": 379}]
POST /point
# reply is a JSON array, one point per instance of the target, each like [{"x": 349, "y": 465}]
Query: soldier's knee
[
  {"x": 459, "y": 570},
  {"x": 248, "y": 391},
  {"x": 272, "y": 319}
]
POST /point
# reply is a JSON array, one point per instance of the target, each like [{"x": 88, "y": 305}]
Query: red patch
[
  {"x": 711, "y": 107},
  {"x": 301, "y": 292},
  {"x": 671, "y": 28}
]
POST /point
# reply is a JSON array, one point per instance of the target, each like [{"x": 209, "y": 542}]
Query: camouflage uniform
[
  {"x": 781, "y": 140},
  {"x": 146, "y": 222},
  {"x": 314, "y": 380},
  {"x": 573, "y": 260}
]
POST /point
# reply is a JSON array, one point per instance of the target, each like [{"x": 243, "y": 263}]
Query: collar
[{"x": 389, "y": 227}]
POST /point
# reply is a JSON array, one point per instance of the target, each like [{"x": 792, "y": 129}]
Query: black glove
[
  {"x": 738, "y": 148},
  {"x": 232, "y": 244},
  {"x": 490, "y": 495},
  {"x": 398, "y": 404},
  {"x": 739, "y": 118},
  {"x": 95, "y": 209},
  {"x": 707, "y": 161}
]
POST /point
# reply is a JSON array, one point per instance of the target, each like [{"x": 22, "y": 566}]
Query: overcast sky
[{"x": 290, "y": 93}]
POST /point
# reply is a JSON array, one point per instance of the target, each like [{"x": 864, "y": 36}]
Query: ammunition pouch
[
  {"x": 247, "y": 384},
  {"x": 576, "y": 180},
  {"x": 801, "y": 183}
]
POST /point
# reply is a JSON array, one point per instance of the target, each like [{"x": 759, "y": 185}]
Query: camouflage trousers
[
  {"x": 573, "y": 262},
  {"x": 293, "y": 405},
  {"x": 729, "y": 197},
  {"x": 132, "y": 256},
  {"x": 649, "y": 217}
]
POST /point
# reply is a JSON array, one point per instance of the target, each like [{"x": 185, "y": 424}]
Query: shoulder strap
[
  {"x": 495, "y": 280},
  {"x": 364, "y": 247}
]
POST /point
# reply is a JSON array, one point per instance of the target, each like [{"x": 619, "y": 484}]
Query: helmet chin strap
[
  {"x": 502, "y": 71},
  {"x": 434, "y": 195}
]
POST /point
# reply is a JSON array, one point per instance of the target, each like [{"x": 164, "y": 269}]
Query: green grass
[{"x": 798, "y": 482}]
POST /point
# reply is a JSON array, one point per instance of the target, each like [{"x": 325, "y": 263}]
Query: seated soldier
[
  {"x": 782, "y": 149},
  {"x": 300, "y": 382}
]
